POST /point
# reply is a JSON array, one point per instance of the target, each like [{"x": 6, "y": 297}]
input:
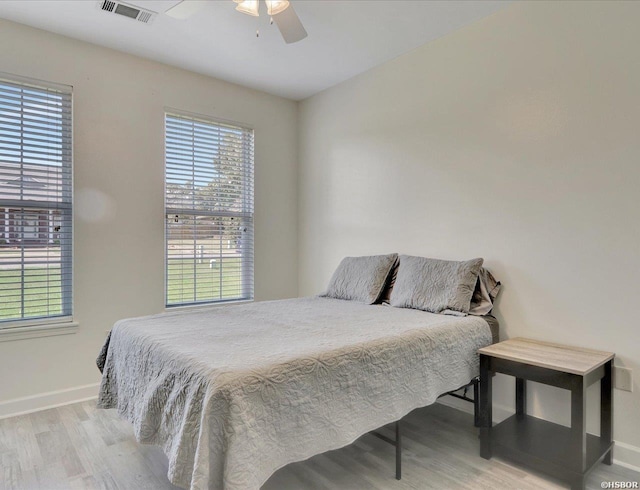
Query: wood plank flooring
[{"x": 80, "y": 447}]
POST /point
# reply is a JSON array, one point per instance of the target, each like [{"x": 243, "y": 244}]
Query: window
[
  {"x": 209, "y": 211},
  {"x": 35, "y": 202}
]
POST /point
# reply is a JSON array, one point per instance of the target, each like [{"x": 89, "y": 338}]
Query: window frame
[
  {"x": 203, "y": 118},
  {"x": 31, "y": 327}
]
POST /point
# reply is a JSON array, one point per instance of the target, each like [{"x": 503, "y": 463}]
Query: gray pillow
[
  {"x": 437, "y": 286},
  {"x": 360, "y": 279},
  {"x": 485, "y": 293}
]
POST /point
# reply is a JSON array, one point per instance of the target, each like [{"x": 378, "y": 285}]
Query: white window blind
[
  {"x": 209, "y": 211},
  {"x": 35, "y": 201}
]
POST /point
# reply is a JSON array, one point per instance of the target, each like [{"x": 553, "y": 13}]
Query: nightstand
[{"x": 566, "y": 453}]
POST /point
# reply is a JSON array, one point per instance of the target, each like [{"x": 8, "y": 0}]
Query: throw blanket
[{"x": 234, "y": 393}]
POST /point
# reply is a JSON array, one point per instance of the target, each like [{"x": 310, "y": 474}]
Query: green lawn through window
[
  {"x": 192, "y": 281},
  {"x": 42, "y": 293},
  {"x": 189, "y": 281}
]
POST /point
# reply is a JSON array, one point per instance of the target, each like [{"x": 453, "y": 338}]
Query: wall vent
[{"x": 127, "y": 10}]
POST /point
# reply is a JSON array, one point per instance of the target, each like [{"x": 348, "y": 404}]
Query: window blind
[
  {"x": 35, "y": 201},
  {"x": 209, "y": 211}
]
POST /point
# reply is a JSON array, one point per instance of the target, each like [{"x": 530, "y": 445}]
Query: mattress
[{"x": 234, "y": 393}]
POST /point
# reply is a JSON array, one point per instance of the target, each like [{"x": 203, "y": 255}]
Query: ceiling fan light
[
  {"x": 250, "y": 7},
  {"x": 276, "y": 6}
]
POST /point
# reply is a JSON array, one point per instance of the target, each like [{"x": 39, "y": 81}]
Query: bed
[{"x": 234, "y": 393}]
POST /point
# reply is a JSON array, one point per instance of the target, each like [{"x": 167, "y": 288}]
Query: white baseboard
[
  {"x": 499, "y": 413},
  {"x": 44, "y": 401},
  {"x": 623, "y": 454},
  {"x": 626, "y": 455}
]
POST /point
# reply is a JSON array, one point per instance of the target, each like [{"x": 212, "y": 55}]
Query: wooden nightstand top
[{"x": 558, "y": 357}]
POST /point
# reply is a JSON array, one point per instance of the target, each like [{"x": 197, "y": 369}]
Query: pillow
[
  {"x": 485, "y": 293},
  {"x": 437, "y": 286},
  {"x": 360, "y": 278}
]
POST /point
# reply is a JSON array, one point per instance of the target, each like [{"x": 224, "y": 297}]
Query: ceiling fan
[{"x": 281, "y": 11}]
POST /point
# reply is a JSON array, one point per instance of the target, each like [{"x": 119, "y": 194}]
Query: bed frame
[
  {"x": 397, "y": 442},
  {"x": 474, "y": 384}
]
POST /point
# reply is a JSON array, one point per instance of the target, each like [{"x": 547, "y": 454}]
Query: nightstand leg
[
  {"x": 579, "y": 424},
  {"x": 606, "y": 409},
  {"x": 578, "y": 483},
  {"x": 521, "y": 397},
  {"x": 486, "y": 401}
]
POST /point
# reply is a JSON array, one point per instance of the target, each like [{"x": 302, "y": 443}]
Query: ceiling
[{"x": 346, "y": 37}]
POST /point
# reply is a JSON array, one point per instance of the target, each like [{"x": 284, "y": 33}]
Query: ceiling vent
[{"x": 125, "y": 10}]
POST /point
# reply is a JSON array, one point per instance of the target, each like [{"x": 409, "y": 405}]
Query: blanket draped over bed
[{"x": 234, "y": 393}]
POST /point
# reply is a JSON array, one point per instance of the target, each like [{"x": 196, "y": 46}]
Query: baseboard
[
  {"x": 499, "y": 413},
  {"x": 44, "y": 401},
  {"x": 623, "y": 454},
  {"x": 627, "y": 455}
]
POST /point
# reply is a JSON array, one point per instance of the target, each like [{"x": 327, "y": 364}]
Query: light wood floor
[{"x": 80, "y": 447}]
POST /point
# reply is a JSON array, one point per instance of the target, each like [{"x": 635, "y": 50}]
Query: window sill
[
  {"x": 197, "y": 306},
  {"x": 35, "y": 331}
]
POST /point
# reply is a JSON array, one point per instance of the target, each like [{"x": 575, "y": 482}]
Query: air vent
[
  {"x": 145, "y": 16},
  {"x": 108, "y": 6},
  {"x": 127, "y": 10}
]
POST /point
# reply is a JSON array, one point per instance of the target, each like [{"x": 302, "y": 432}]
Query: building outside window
[{"x": 35, "y": 202}]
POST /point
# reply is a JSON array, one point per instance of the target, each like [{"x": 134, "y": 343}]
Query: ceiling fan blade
[
  {"x": 185, "y": 9},
  {"x": 290, "y": 26}
]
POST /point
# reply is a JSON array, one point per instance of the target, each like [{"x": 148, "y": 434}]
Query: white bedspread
[{"x": 234, "y": 393}]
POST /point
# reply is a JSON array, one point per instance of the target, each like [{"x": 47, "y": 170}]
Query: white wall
[
  {"x": 119, "y": 103},
  {"x": 515, "y": 139}
]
